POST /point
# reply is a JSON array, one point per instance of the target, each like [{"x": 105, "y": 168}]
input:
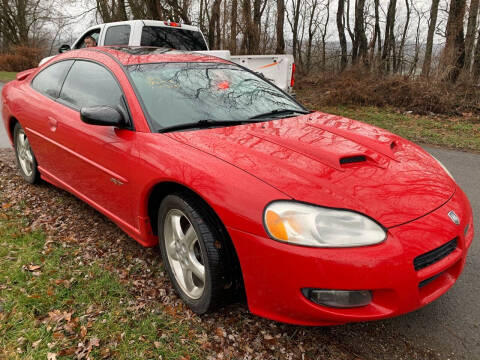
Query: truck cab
[
  {"x": 145, "y": 33},
  {"x": 278, "y": 69}
]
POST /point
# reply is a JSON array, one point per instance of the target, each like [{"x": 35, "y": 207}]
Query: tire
[
  {"x": 24, "y": 156},
  {"x": 178, "y": 216}
]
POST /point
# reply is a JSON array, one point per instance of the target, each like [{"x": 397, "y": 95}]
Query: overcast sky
[{"x": 81, "y": 23}]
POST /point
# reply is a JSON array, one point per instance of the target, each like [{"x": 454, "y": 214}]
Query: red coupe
[{"x": 318, "y": 219}]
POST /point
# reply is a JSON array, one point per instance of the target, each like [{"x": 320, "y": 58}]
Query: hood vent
[{"x": 353, "y": 159}]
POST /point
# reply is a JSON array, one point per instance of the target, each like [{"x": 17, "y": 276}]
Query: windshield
[
  {"x": 173, "y": 38},
  {"x": 181, "y": 93}
]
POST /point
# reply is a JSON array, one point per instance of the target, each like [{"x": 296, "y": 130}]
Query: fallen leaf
[
  {"x": 105, "y": 353},
  {"x": 83, "y": 331},
  {"x": 67, "y": 351},
  {"x": 56, "y": 316},
  {"x": 36, "y": 343},
  {"x": 51, "y": 356},
  {"x": 220, "y": 332},
  {"x": 95, "y": 341}
]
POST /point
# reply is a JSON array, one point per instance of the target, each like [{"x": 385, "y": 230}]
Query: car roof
[{"x": 132, "y": 55}]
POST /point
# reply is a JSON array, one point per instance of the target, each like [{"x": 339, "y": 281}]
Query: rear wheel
[
  {"x": 26, "y": 161},
  {"x": 191, "y": 251}
]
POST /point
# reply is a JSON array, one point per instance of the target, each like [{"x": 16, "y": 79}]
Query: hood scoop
[
  {"x": 348, "y": 160},
  {"x": 386, "y": 149}
]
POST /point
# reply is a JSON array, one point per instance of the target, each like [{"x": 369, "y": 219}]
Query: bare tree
[
  {"x": 389, "y": 45},
  {"x": 476, "y": 61},
  {"x": 427, "y": 62},
  {"x": 377, "y": 34},
  {"x": 453, "y": 57},
  {"x": 294, "y": 22},
  {"x": 401, "y": 48},
  {"x": 324, "y": 35},
  {"x": 233, "y": 27},
  {"x": 360, "y": 46},
  {"x": 471, "y": 31},
  {"x": 214, "y": 34},
  {"x": 341, "y": 34},
  {"x": 279, "y": 27}
]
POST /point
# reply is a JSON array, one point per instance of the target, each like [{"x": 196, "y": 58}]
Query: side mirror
[
  {"x": 64, "y": 48},
  {"x": 102, "y": 115}
]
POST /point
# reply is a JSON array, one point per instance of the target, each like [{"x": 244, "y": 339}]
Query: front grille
[
  {"x": 428, "y": 281},
  {"x": 435, "y": 255}
]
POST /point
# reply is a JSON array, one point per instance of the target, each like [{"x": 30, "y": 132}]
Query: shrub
[
  {"x": 20, "y": 58},
  {"x": 419, "y": 95}
]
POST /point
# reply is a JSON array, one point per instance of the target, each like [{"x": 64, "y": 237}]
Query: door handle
[{"x": 52, "y": 123}]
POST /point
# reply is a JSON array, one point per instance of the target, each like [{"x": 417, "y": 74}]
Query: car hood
[{"x": 334, "y": 162}]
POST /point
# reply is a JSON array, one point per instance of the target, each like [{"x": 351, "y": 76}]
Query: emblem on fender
[{"x": 454, "y": 217}]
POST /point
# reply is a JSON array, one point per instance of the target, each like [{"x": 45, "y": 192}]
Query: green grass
[
  {"x": 96, "y": 304},
  {"x": 456, "y": 133},
  {"x": 7, "y": 76}
]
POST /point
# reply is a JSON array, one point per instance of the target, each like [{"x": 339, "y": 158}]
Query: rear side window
[
  {"x": 90, "y": 84},
  {"x": 173, "y": 38},
  {"x": 49, "y": 81},
  {"x": 117, "y": 35}
]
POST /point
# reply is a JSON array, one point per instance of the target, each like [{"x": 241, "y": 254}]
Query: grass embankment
[
  {"x": 6, "y": 76},
  {"x": 54, "y": 306},
  {"x": 461, "y": 133},
  {"x": 423, "y": 111}
]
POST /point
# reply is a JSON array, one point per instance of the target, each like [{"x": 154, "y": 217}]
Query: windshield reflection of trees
[{"x": 198, "y": 84}]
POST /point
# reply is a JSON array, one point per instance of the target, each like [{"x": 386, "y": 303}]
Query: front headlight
[
  {"x": 443, "y": 167},
  {"x": 308, "y": 225}
]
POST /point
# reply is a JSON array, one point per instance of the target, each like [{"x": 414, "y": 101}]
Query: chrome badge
[{"x": 454, "y": 217}]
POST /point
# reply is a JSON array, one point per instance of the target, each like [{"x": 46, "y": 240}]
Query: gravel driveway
[{"x": 447, "y": 328}]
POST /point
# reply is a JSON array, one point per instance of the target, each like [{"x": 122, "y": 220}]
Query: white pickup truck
[{"x": 279, "y": 69}]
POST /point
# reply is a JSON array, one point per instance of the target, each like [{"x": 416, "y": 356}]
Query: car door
[
  {"x": 94, "y": 161},
  {"x": 39, "y": 110}
]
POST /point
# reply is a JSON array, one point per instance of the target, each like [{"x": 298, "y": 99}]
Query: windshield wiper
[
  {"x": 205, "y": 124},
  {"x": 279, "y": 112}
]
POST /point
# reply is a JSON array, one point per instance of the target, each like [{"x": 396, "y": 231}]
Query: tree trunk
[
  {"x": 280, "y": 22},
  {"x": 389, "y": 44},
  {"x": 341, "y": 34},
  {"x": 404, "y": 37},
  {"x": 214, "y": 25},
  {"x": 296, "y": 15},
  {"x": 360, "y": 44},
  {"x": 453, "y": 59},
  {"x": 324, "y": 37},
  {"x": 427, "y": 62},
  {"x": 233, "y": 27},
  {"x": 476, "y": 61},
  {"x": 471, "y": 31},
  {"x": 377, "y": 35}
]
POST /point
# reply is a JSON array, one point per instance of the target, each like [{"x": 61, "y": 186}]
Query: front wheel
[
  {"x": 26, "y": 161},
  {"x": 191, "y": 251}
]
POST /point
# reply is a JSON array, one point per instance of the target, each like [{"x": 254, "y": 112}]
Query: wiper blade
[
  {"x": 204, "y": 124},
  {"x": 279, "y": 112}
]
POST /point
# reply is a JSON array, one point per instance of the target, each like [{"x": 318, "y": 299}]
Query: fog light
[{"x": 338, "y": 298}]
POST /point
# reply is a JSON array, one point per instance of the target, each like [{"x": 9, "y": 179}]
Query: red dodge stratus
[{"x": 318, "y": 219}]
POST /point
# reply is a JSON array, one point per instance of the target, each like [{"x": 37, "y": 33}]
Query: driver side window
[
  {"x": 95, "y": 34},
  {"x": 90, "y": 84}
]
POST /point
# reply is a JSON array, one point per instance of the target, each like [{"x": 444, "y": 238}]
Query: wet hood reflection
[{"x": 333, "y": 161}]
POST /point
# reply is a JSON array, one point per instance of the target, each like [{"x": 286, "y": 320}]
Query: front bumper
[{"x": 274, "y": 273}]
